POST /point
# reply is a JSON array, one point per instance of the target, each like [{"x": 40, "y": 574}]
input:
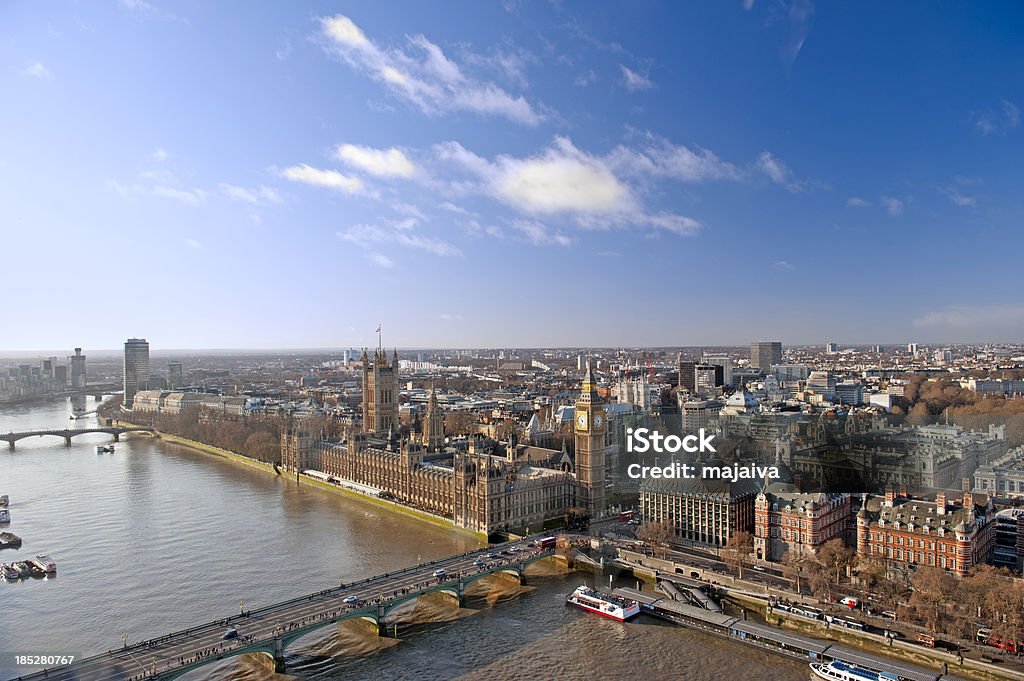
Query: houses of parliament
[{"x": 485, "y": 487}]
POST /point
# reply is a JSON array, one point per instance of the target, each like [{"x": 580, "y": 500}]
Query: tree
[
  {"x": 792, "y": 567},
  {"x": 933, "y": 588},
  {"x": 837, "y": 557},
  {"x": 460, "y": 423},
  {"x": 738, "y": 550},
  {"x": 657, "y": 534}
]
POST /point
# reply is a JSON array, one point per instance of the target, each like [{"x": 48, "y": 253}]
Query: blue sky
[{"x": 523, "y": 173}]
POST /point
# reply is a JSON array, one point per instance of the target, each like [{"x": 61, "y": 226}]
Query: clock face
[
  {"x": 598, "y": 420},
  {"x": 581, "y": 421}
]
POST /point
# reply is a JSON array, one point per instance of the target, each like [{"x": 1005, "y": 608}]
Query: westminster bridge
[{"x": 270, "y": 630}]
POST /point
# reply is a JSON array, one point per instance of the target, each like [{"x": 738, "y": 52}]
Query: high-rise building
[
  {"x": 686, "y": 375},
  {"x": 591, "y": 440},
  {"x": 60, "y": 375},
  {"x": 136, "y": 368},
  {"x": 723, "y": 361},
  {"x": 832, "y": 348},
  {"x": 77, "y": 369},
  {"x": 708, "y": 377},
  {"x": 380, "y": 392},
  {"x": 175, "y": 375},
  {"x": 763, "y": 354}
]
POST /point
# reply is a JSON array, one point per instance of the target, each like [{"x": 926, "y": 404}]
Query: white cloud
[
  {"x": 476, "y": 230},
  {"x": 192, "y": 197},
  {"x": 997, "y": 120},
  {"x": 261, "y": 196},
  {"x": 539, "y": 234},
  {"x": 193, "y": 244},
  {"x": 973, "y": 317},
  {"x": 380, "y": 260},
  {"x": 330, "y": 179},
  {"x": 422, "y": 74},
  {"x": 634, "y": 81},
  {"x": 661, "y": 158},
  {"x": 452, "y": 208},
  {"x": 778, "y": 172},
  {"x": 857, "y": 202},
  {"x": 893, "y": 205},
  {"x": 410, "y": 210},
  {"x": 677, "y": 224},
  {"x": 370, "y": 235},
  {"x": 782, "y": 265},
  {"x": 380, "y": 162},
  {"x": 585, "y": 79},
  {"x": 565, "y": 181},
  {"x": 451, "y": 317},
  {"x": 145, "y": 10},
  {"x": 37, "y": 70},
  {"x": 159, "y": 155},
  {"x": 959, "y": 199}
]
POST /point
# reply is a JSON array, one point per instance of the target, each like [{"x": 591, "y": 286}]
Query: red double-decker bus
[{"x": 626, "y": 516}]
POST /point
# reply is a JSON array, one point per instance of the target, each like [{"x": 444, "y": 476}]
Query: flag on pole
[{"x": 378, "y": 328}]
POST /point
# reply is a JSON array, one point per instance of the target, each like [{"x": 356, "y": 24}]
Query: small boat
[
  {"x": 4, "y": 500},
  {"x": 5, "y": 515},
  {"x": 9, "y": 540},
  {"x": 837, "y": 670},
  {"x": 9, "y": 572},
  {"x": 45, "y": 563},
  {"x": 23, "y": 568},
  {"x": 104, "y": 449},
  {"x": 612, "y": 607}
]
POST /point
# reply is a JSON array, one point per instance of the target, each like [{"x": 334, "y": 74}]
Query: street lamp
[
  {"x": 241, "y": 608},
  {"x": 124, "y": 637}
]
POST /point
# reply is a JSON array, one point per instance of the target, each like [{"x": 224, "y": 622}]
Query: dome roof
[{"x": 741, "y": 399}]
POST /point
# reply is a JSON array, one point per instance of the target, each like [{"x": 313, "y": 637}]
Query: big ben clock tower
[{"x": 591, "y": 436}]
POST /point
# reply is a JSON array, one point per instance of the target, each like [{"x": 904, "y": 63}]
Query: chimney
[
  {"x": 940, "y": 503},
  {"x": 968, "y": 500},
  {"x": 903, "y": 491},
  {"x": 890, "y": 496},
  {"x": 965, "y": 485}
]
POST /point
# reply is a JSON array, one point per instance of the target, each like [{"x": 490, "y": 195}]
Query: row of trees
[
  {"x": 930, "y": 596},
  {"x": 257, "y": 437}
]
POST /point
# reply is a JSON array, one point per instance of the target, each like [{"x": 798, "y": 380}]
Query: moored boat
[
  {"x": 606, "y": 605},
  {"x": 45, "y": 563},
  {"x": 5, "y": 515},
  {"x": 23, "y": 568},
  {"x": 837, "y": 670},
  {"x": 9, "y": 572},
  {"x": 9, "y": 540},
  {"x": 4, "y": 500}
]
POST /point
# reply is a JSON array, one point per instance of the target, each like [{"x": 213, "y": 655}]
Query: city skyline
[{"x": 534, "y": 175}]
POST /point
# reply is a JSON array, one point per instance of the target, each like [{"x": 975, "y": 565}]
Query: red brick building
[
  {"x": 954, "y": 536},
  {"x": 790, "y": 521}
]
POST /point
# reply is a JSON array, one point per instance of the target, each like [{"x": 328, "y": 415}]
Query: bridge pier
[
  {"x": 278, "y": 656},
  {"x": 117, "y": 437},
  {"x": 10, "y": 445},
  {"x": 67, "y": 440}
]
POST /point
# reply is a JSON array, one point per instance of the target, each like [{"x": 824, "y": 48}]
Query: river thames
[{"x": 156, "y": 537}]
